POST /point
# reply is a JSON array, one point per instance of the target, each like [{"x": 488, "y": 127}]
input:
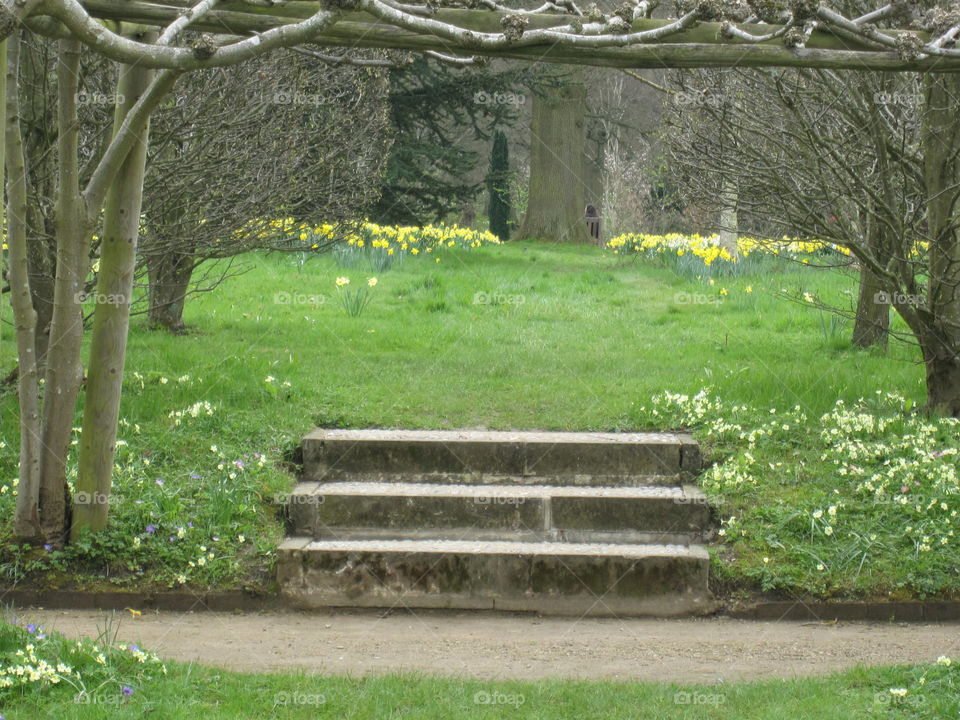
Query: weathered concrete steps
[{"x": 569, "y": 523}]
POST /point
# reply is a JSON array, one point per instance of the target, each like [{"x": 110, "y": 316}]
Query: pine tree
[
  {"x": 498, "y": 209},
  {"x": 438, "y": 113}
]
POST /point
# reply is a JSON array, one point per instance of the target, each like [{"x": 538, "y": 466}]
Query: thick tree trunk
[
  {"x": 943, "y": 383},
  {"x": 594, "y": 160},
  {"x": 169, "y": 277},
  {"x": 64, "y": 371},
  {"x": 556, "y": 201},
  {"x": 108, "y": 345},
  {"x": 26, "y": 520},
  {"x": 872, "y": 323},
  {"x": 940, "y": 337}
]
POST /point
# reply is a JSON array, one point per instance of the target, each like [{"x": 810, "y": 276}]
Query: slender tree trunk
[
  {"x": 556, "y": 201},
  {"x": 64, "y": 371},
  {"x": 940, "y": 336},
  {"x": 111, "y": 319},
  {"x": 26, "y": 521},
  {"x": 39, "y": 132},
  {"x": 169, "y": 277},
  {"x": 42, "y": 265},
  {"x": 729, "y": 220}
]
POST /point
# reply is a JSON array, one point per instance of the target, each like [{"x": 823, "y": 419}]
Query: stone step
[
  {"x": 490, "y": 457},
  {"x": 547, "y": 577},
  {"x": 522, "y": 512}
]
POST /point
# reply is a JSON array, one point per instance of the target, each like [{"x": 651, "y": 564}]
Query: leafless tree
[
  {"x": 868, "y": 162},
  {"x": 279, "y": 137}
]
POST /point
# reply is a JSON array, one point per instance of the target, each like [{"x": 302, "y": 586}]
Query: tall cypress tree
[{"x": 498, "y": 209}]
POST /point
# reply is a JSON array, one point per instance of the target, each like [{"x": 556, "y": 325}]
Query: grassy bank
[{"x": 516, "y": 336}]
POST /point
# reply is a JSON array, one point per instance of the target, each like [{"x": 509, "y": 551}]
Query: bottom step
[{"x": 547, "y": 577}]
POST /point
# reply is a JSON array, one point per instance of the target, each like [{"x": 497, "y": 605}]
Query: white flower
[{"x": 944, "y": 660}]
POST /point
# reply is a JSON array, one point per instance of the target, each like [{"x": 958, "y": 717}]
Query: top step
[{"x": 474, "y": 456}]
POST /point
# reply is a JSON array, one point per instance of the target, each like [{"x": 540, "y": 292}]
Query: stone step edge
[
  {"x": 521, "y": 447},
  {"x": 638, "y": 551},
  {"x": 564, "y": 535},
  {"x": 677, "y": 493},
  {"x": 335, "y": 475},
  {"x": 499, "y": 436},
  {"x": 807, "y": 610}
]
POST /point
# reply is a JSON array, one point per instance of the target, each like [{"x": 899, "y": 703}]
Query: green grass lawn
[
  {"x": 88, "y": 679},
  {"x": 520, "y": 336}
]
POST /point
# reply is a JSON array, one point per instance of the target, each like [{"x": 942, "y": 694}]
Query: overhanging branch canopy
[{"x": 706, "y": 33}]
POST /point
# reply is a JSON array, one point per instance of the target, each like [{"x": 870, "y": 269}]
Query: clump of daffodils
[{"x": 354, "y": 300}]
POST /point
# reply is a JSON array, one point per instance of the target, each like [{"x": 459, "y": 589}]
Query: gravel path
[{"x": 490, "y": 646}]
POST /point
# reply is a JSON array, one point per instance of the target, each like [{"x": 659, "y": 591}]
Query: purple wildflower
[
  {"x": 127, "y": 690},
  {"x": 151, "y": 529},
  {"x": 31, "y": 628}
]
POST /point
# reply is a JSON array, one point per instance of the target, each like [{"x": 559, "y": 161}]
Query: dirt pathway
[{"x": 489, "y": 646}]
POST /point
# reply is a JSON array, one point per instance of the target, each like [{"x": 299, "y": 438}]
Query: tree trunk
[
  {"x": 594, "y": 160},
  {"x": 169, "y": 281},
  {"x": 940, "y": 336},
  {"x": 42, "y": 266},
  {"x": 729, "y": 220},
  {"x": 64, "y": 371},
  {"x": 943, "y": 383},
  {"x": 111, "y": 319},
  {"x": 556, "y": 200},
  {"x": 39, "y": 132},
  {"x": 26, "y": 520},
  {"x": 872, "y": 324}
]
